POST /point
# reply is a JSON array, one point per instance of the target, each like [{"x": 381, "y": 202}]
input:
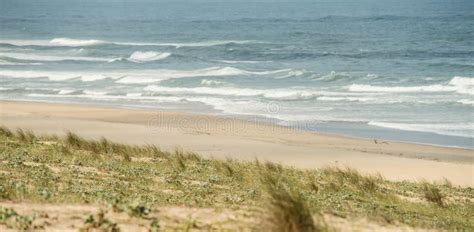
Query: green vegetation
[
  {"x": 12, "y": 219},
  {"x": 136, "y": 179},
  {"x": 99, "y": 222},
  {"x": 433, "y": 194}
]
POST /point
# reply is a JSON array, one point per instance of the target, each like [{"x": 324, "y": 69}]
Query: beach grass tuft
[
  {"x": 287, "y": 208},
  {"x": 433, "y": 194},
  {"x": 137, "y": 179},
  {"x": 25, "y": 135},
  {"x": 350, "y": 177},
  {"x": 4, "y": 131}
]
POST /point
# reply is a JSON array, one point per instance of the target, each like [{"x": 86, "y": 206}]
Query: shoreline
[
  {"x": 310, "y": 127},
  {"x": 228, "y": 137}
]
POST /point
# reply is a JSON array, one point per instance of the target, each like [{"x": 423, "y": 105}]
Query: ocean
[{"x": 386, "y": 69}]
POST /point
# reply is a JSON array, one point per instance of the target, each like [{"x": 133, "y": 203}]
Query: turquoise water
[{"x": 401, "y": 70}]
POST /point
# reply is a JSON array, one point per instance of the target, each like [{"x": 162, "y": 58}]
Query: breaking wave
[
  {"x": 142, "y": 57},
  {"x": 135, "y": 76},
  {"x": 75, "y": 42},
  {"x": 463, "y": 85},
  {"x": 68, "y": 42},
  {"x": 460, "y": 129},
  {"x": 35, "y": 57},
  {"x": 211, "y": 82},
  {"x": 271, "y": 94},
  {"x": 163, "y": 74},
  {"x": 466, "y": 102}
]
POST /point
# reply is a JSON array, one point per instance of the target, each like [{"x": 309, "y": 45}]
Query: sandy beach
[
  {"x": 221, "y": 137},
  {"x": 236, "y": 115}
]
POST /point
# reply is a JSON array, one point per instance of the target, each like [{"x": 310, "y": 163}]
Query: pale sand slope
[
  {"x": 225, "y": 137},
  {"x": 71, "y": 217}
]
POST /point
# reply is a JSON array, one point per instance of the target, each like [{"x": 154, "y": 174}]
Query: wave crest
[
  {"x": 333, "y": 76},
  {"x": 164, "y": 74},
  {"x": 271, "y": 94},
  {"x": 211, "y": 82},
  {"x": 52, "y": 58},
  {"x": 463, "y": 85},
  {"x": 466, "y": 102},
  {"x": 68, "y": 42},
  {"x": 76, "y": 42},
  {"x": 461, "y": 129},
  {"x": 462, "y": 81},
  {"x": 142, "y": 57}
]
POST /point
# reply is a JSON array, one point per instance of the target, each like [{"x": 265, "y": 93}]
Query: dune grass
[
  {"x": 134, "y": 179},
  {"x": 12, "y": 219}
]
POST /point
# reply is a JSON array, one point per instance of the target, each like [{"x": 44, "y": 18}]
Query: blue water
[{"x": 401, "y": 70}]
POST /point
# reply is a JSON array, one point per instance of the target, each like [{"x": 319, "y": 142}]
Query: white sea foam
[
  {"x": 253, "y": 108},
  {"x": 26, "y": 42},
  {"x": 371, "y": 76},
  {"x": 462, "y": 81},
  {"x": 463, "y": 85},
  {"x": 193, "y": 44},
  {"x": 37, "y": 57},
  {"x": 351, "y": 99},
  {"x": 272, "y": 94},
  {"x": 69, "y": 42},
  {"x": 133, "y": 94},
  {"x": 77, "y": 51},
  {"x": 141, "y": 57},
  {"x": 292, "y": 73},
  {"x": 333, "y": 76},
  {"x": 460, "y": 129},
  {"x": 466, "y": 102},
  {"x": 282, "y": 94},
  {"x": 4, "y": 62},
  {"x": 9, "y": 63},
  {"x": 400, "y": 89},
  {"x": 205, "y": 91},
  {"x": 134, "y": 76},
  {"x": 42, "y": 89},
  {"x": 59, "y": 75},
  {"x": 75, "y": 42},
  {"x": 110, "y": 97},
  {"x": 225, "y": 105},
  {"x": 94, "y": 93},
  {"x": 164, "y": 74},
  {"x": 66, "y": 91},
  {"x": 275, "y": 94},
  {"x": 211, "y": 82},
  {"x": 240, "y": 61}
]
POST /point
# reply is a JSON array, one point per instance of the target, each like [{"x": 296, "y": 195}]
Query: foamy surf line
[
  {"x": 271, "y": 94},
  {"x": 142, "y": 57},
  {"x": 68, "y": 42},
  {"x": 52, "y": 58},
  {"x": 456, "y": 130},
  {"x": 462, "y": 85},
  {"x": 135, "y": 57},
  {"x": 136, "y": 76},
  {"x": 95, "y": 96},
  {"x": 461, "y": 130}
]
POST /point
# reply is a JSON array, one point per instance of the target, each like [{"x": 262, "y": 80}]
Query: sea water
[{"x": 400, "y": 70}]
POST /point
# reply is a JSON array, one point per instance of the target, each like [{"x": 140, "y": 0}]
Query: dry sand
[
  {"x": 71, "y": 217},
  {"x": 222, "y": 137}
]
